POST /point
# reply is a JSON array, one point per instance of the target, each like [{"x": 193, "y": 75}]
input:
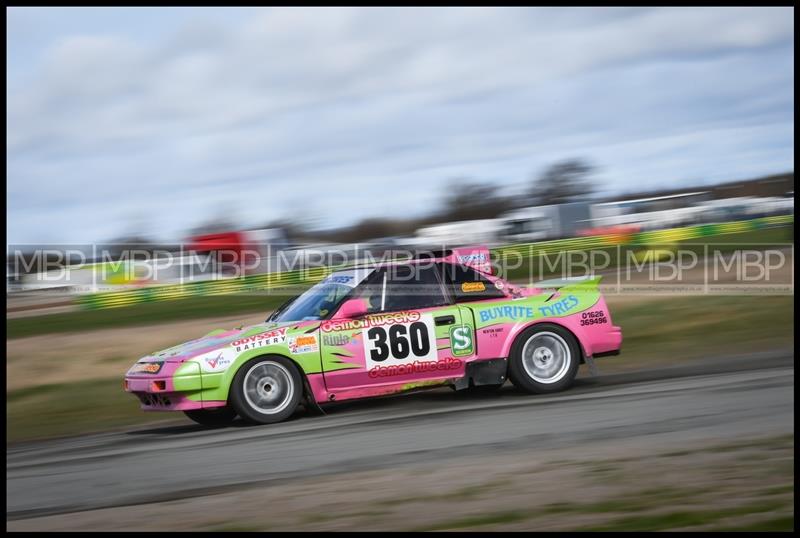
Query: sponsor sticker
[
  {"x": 305, "y": 343},
  {"x": 559, "y": 307},
  {"x": 349, "y": 278},
  {"x": 275, "y": 336},
  {"x": 340, "y": 279},
  {"x": 416, "y": 367},
  {"x": 401, "y": 342},
  {"x": 493, "y": 332},
  {"x": 216, "y": 363},
  {"x": 466, "y": 259},
  {"x": 595, "y": 317},
  {"x": 373, "y": 320},
  {"x": 512, "y": 312},
  {"x": 472, "y": 286},
  {"x": 479, "y": 260},
  {"x": 461, "y": 340},
  {"x": 338, "y": 339}
]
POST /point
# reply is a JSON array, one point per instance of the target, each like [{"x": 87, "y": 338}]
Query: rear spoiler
[{"x": 573, "y": 283}]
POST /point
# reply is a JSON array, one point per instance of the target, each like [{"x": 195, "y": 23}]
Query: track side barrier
[{"x": 270, "y": 281}]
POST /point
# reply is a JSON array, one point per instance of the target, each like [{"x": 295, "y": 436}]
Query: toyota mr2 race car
[{"x": 441, "y": 319}]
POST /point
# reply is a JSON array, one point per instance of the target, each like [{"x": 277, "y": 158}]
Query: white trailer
[
  {"x": 466, "y": 232},
  {"x": 545, "y": 222}
]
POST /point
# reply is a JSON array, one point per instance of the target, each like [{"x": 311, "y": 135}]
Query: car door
[
  {"x": 405, "y": 337},
  {"x": 471, "y": 289}
]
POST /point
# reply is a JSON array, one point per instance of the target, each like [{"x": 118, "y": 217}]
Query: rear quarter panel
[{"x": 580, "y": 308}]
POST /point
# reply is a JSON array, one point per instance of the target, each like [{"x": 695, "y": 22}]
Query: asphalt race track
[{"x": 725, "y": 397}]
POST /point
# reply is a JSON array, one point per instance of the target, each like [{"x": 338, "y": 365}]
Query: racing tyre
[
  {"x": 544, "y": 358},
  {"x": 266, "y": 390},
  {"x": 216, "y": 417}
]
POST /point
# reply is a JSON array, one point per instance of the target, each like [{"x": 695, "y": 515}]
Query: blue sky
[{"x": 156, "y": 120}]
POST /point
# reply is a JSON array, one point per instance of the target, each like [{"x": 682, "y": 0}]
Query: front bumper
[
  {"x": 177, "y": 387},
  {"x": 153, "y": 398}
]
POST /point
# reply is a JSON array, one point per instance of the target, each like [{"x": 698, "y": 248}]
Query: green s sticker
[{"x": 461, "y": 340}]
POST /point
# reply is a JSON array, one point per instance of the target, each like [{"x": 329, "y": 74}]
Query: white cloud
[{"x": 334, "y": 104}]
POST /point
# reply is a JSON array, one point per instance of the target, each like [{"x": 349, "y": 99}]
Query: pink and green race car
[{"x": 440, "y": 319}]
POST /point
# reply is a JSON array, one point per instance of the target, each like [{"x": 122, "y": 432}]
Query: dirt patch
[
  {"x": 706, "y": 486},
  {"x": 70, "y": 357}
]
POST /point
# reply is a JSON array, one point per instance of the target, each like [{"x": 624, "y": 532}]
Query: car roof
[
  {"x": 388, "y": 263},
  {"x": 477, "y": 258},
  {"x": 449, "y": 256}
]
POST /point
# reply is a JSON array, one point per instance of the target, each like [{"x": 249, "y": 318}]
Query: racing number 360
[{"x": 399, "y": 341}]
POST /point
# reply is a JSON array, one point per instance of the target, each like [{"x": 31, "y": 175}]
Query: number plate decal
[{"x": 398, "y": 344}]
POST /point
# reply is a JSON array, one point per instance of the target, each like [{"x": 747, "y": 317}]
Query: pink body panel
[
  {"x": 496, "y": 341},
  {"x": 323, "y": 395},
  {"x": 367, "y": 379}
]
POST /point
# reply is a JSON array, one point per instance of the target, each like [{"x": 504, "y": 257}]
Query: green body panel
[
  {"x": 187, "y": 379},
  {"x": 421, "y": 384},
  {"x": 571, "y": 299},
  {"x": 443, "y": 331},
  {"x": 215, "y": 386},
  {"x": 339, "y": 357},
  {"x": 215, "y": 332}
]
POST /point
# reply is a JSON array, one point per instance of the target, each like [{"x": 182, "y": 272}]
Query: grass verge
[
  {"x": 690, "y": 327},
  {"x": 72, "y": 409},
  {"x": 143, "y": 314}
]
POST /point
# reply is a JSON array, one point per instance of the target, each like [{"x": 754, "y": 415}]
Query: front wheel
[
  {"x": 544, "y": 358},
  {"x": 266, "y": 390},
  {"x": 215, "y": 417}
]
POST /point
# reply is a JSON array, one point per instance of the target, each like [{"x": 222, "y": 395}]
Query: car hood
[{"x": 215, "y": 339}]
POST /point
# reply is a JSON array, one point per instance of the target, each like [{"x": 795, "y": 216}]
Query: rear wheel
[
  {"x": 215, "y": 417},
  {"x": 544, "y": 358},
  {"x": 266, "y": 390}
]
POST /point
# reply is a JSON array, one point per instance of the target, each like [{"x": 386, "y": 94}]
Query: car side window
[
  {"x": 466, "y": 284},
  {"x": 404, "y": 287},
  {"x": 372, "y": 291}
]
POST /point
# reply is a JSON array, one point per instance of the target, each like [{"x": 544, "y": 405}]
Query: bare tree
[
  {"x": 467, "y": 200},
  {"x": 562, "y": 182}
]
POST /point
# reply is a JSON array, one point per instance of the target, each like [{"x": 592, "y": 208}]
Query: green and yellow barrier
[{"x": 270, "y": 281}]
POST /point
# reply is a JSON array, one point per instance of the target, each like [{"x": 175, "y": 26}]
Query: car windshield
[{"x": 322, "y": 298}]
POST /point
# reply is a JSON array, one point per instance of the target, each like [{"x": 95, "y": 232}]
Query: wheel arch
[
  {"x": 582, "y": 345},
  {"x": 308, "y": 393}
]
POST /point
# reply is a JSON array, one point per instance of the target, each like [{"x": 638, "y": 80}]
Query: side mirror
[{"x": 352, "y": 308}]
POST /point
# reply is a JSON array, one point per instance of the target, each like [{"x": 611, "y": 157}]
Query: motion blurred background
[{"x": 171, "y": 171}]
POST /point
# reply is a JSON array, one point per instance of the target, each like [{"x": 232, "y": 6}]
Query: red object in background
[
  {"x": 620, "y": 229},
  {"x": 619, "y": 234},
  {"x": 230, "y": 248},
  {"x": 218, "y": 241}
]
